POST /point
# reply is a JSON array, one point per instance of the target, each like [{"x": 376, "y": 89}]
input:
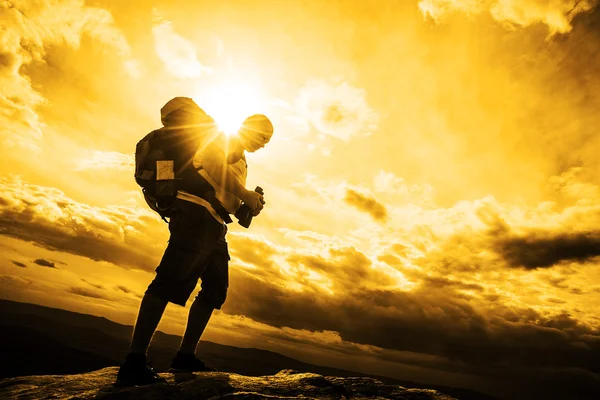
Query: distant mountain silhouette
[{"x": 38, "y": 340}]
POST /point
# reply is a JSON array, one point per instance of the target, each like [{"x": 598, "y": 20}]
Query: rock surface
[{"x": 286, "y": 384}]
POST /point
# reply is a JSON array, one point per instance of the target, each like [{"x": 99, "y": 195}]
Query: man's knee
[
  {"x": 170, "y": 290},
  {"x": 215, "y": 280},
  {"x": 214, "y": 297}
]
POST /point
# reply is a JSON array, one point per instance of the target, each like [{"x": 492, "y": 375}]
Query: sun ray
[{"x": 229, "y": 103}]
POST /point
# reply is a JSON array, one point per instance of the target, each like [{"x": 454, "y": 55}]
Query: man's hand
[
  {"x": 253, "y": 200},
  {"x": 254, "y": 213}
]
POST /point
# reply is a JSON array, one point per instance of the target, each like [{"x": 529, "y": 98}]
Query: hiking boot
[
  {"x": 189, "y": 363},
  {"x": 135, "y": 371}
]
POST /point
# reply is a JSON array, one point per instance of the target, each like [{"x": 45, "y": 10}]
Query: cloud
[
  {"x": 389, "y": 183},
  {"x": 123, "y": 289},
  {"x": 176, "y": 52},
  {"x": 47, "y": 217},
  {"x": 464, "y": 302},
  {"x": 336, "y": 109},
  {"x": 311, "y": 200},
  {"x": 32, "y": 27},
  {"x": 85, "y": 292},
  {"x": 316, "y": 263},
  {"x": 97, "y": 286},
  {"x": 366, "y": 203},
  {"x": 425, "y": 321},
  {"x": 341, "y": 268},
  {"x": 437, "y": 282},
  {"x": 567, "y": 235},
  {"x": 19, "y": 264},
  {"x": 545, "y": 249},
  {"x": 490, "y": 342},
  {"x": 44, "y": 263},
  {"x": 126, "y": 290},
  {"x": 14, "y": 282},
  {"x": 105, "y": 160},
  {"x": 576, "y": 185},
  {"x": 557, "y": 15},
  {"x": 23, "y": 127},
  {"x": 251, "y": 249}
]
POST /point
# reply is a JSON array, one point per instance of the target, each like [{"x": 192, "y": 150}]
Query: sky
[{"x": 432, "y": 185}]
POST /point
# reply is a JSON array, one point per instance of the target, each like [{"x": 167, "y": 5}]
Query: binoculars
[{"x": 243, "y": 214}]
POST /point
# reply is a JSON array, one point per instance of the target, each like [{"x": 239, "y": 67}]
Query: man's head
[
  {"x": 184, "y": 112},
  {"x": 255, "y": 133}
]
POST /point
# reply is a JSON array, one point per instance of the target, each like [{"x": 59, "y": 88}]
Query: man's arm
[{"x": 215, "y": 164}]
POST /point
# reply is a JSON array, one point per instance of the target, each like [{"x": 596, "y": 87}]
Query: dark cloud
[
  {"x": 367, "y": 204},
  {"x": 434, "y": 282},
  {"x": 538, "y": 250},
  {"x": 555, "y": 300},
  {"x": 116, "y": 234},
  {"x": 19, "y": 264},
  {"x": 128, "y": 291},
  {"x": 424, "y": 321},
  {"x": 123, "y": 289},
  {"x": 558, "y": 282},
  {"x": 469, "y": 334},
  {"x": 44, "y": 263},
  {"x": 7, "y": 60},
  {"x": 81, "y": 291},
  {"x": 430, "y": 320},
  {"x": 97, "y": 286}
]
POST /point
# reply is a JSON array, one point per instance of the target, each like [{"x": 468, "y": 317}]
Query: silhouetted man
[{"x": 197, "y": 248}]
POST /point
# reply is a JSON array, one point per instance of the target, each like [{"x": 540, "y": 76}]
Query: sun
[{"x": 230, "y": 103}]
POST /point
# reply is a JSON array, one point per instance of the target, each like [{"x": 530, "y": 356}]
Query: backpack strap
[{"x": 153, "y": 204}]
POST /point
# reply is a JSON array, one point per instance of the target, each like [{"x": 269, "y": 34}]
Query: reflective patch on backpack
[{"x": 165, "y": 170}]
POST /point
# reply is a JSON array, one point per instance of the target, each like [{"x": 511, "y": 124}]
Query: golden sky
[{"x": 432, "y": 187}]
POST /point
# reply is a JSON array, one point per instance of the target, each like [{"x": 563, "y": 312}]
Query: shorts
[{"x": 197, "y": 249}]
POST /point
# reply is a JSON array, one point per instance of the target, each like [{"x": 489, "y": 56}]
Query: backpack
[
  {"x": 155, "y": 173},
  {"x": 163, "y": 158}
]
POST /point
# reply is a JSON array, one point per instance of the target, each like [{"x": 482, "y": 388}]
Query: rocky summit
[{"x": 286, "y": 384}]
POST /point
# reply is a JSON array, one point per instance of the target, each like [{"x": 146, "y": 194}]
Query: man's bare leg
[
  {"x": 151, "y": 311},
  {"x": 198, "y": 317}
]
